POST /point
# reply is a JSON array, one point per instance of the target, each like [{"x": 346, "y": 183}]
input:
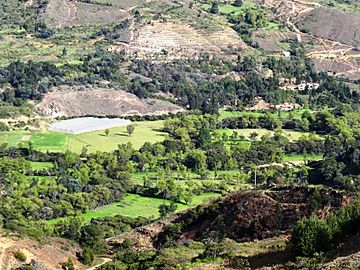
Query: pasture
[
  {"x": 147, "y": 131},
  {"x": 246, "y": 132},
  {"x": 283, "y": 114},
  {"x": 134, "y": 206},
  {"x": 95, "y": 141}
]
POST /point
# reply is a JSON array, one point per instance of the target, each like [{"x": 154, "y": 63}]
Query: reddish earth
[{"x": 47, "y": 253}]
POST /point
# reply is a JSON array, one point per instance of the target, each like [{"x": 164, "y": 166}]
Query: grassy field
[
  {"x": 290, "y": 134},
  {"x": 95, "y": 141},
  {"x": 42, "y": 141},
  {"x": 135, "y": 206},
  {"x": 38, "y": 166},
  {"x": 147, "y": 131},
  {"x": 228, "y": 114},
  {"x": 295, "y": 158}
]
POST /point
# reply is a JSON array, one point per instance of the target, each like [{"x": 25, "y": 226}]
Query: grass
[
  {"x": 302, "y": 157},
  {"x": 147, "y": 131},
  {"x": 228, "y": 114},
  {"x": 290, "y": 134},
  {"x": 228, "y": 9},
  {"x": 95, "y": 141},
  {"x": 38, "y": 166},
  {"x": 134, "y": 206},
  {"x": 50, "y": 141}
]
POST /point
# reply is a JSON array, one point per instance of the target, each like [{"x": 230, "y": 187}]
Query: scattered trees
[
  {"x": 130, "y": 129},
  {"x": 214, "y": 8}
]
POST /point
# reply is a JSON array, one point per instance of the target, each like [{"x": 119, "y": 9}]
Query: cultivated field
[
  {"x": 284, "y": 114},
  {"x": 97, "y": 141}
]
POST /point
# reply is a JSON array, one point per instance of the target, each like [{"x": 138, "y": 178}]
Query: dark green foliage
[
  {"x": 165, "y": 209},
  {"x": 310, "y": 236},
  {"x": 313, "y": 235},
  {"x": 214, "y": 8},
  {"x": 87, "y": 256}
]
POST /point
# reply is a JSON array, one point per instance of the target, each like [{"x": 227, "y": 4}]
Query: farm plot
[
  {"x": 246, "y": 132},
  {"x": 137, "y": 206},
  {"x": 147, "y": 131}
]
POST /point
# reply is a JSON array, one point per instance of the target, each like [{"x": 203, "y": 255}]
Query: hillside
[
  {"x": 46, "y": 253},
  {"x": 179, "y": 134},
  {"x": 101, "y": 102}
]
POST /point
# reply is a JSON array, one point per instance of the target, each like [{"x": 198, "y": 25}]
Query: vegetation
[
  {"x": 313, "y": 235},
  {"x": 93, "y": 186}
]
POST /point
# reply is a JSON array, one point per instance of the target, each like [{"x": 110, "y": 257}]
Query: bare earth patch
[
  {"x": 80, "y": 101},
  {"x": 48, "y": 253},
  {"x": 65, "y": 13},
  {"x": 179, "y": 40}
]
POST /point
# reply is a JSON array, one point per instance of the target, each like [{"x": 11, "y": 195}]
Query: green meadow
[
  {"x": 134, "y": 206},
  {"x": 95, "y": 141}
]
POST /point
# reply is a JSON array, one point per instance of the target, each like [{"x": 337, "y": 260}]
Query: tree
[
  {"x": 214, "y": 8},
  {"x": 204, "y": 137},
  {"x": 238, "y": 3},
  {"x": 253, "y": 136},
  {"x": 107, "y": 132},
  {"x": 165, "y": 209},
  {"x": 310, "y": 236},
  {"x": 130, "y": 129}
]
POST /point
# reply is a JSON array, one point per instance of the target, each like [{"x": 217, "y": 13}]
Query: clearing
[
  {"x": 134, "y": 206},
  {"x": 290, "y": 134},
  {"x": 94, "y": 141}
]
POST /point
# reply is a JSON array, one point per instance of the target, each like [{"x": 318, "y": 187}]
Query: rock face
[{"x": 80, "y": 101}]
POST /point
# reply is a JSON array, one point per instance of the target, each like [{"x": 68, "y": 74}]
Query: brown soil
[
  {"x": 249, "y": 216},
  {"x": 65, "y": 13},
  {"x": 47, "y": 253},
  {"x": 333, "y": 24},
  {"x": 178, "y": 40},
  {"x": 81, "y": 101}
]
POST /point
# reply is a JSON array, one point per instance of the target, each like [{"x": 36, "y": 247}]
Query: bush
[
  {"x": 313, "y": 235},
  {"x": 310, "y": 236},
  {"x": 87, "y": 256},
  {"x": 19, "y": 255}
]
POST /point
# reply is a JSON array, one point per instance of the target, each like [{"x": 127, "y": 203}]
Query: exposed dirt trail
[{"x": 105, "y": 260}]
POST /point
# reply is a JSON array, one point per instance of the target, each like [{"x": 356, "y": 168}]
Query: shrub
[
  {"x": 310, "y": 236},
  {"x": 19, "y": 255}
]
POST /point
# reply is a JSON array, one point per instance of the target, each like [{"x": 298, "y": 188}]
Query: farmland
[
  {"x": 137, "y": 206},
  {"x": 246, "y": 132},
  {"x": 94, "y": 141}
]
